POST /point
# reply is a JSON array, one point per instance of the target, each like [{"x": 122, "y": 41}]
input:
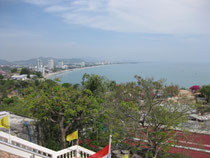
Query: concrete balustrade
[{"x": 22, "y": 148}]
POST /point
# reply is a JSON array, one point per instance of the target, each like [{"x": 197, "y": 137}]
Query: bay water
[{"x": 183, "y": 74}]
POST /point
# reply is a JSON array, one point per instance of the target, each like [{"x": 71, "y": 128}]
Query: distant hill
[
  {"x": 25, "y": 62},
  {"x": 4, "y": 62},
  {"x": 44, "y": 60},
  {"x": 90, "y": 59}
]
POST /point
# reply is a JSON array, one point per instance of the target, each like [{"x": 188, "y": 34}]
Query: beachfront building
[
  {"x": 39, "y": 63},
  {"x": 60, "y": 65},
  {"x": 40, "y": 67},
  {"x": 82, "y": 64},
  {"x": 51, "y": 64}
]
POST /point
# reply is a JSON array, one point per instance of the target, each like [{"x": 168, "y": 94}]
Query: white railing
[
  {"x": 74, "y": 151},
  {"x": 15, "y": 145}
]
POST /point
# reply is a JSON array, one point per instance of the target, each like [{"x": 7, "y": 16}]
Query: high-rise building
[
  {"x": 82, "y": 64},
  {"x": 51, "y": 64},
  {"x": 39, "y": 63},
  {"x": 40, "y": 67},
  {"x": 60, "y": 64}
]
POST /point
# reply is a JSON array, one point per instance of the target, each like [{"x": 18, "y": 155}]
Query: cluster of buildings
[
  {"x": 40, "y": 67},
  {"x": 45, "y": 66},
  {"x": 51, "y": 66}
]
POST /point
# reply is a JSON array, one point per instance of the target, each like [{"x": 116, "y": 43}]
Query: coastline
[{"x": 51, "y": 75}]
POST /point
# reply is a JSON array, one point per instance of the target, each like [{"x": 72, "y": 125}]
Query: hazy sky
[{"x": 143, "y": 30}]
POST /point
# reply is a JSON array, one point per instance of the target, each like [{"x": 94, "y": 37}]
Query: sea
[{"x": 184, "y": 75}]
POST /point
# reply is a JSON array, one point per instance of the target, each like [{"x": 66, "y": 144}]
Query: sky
[{"x": 126, "y": 30}]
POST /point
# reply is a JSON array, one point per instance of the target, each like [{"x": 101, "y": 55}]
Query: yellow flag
[
  {"x": 4, "y": 122},
  {"x": 72, "y": 136},
  {"x": 126, "y": 156}
]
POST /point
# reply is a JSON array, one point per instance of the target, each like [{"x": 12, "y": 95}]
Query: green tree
[
  {"x": 67, "y": 108},
  {"x": 38, "y": 74},
  {"x": 67, "y": 85},
  {"x": 95, "y": 83},
  {"x": 14, "y": 70},
  {"x": 25, "y": 71},
  {"x": 3, "y": 95},
  {"x": 1, "y": 77},
  {"x": 148, "y": 115},
  {"x": 171, "y": 91},
  {"x": 14, "y": 105},
  {"x": 98, "y": 85},
  {"x": 6, "y": 87},
  {"x": 76, "y": 86},
  {"x": 205, "y": 90},
  {"x": 19, "y": 86}
]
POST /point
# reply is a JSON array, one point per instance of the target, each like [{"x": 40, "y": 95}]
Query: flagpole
[
  {"x": 78, "y": 137},
  {"x": 9, "y": 129},
  {"x": 110, "y": 145},
  {"x": 77, "y": 144}
]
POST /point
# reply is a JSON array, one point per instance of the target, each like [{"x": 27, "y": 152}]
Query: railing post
[
  {"x": 54, "y": 156},
  {"x": 77, "y": 152}
]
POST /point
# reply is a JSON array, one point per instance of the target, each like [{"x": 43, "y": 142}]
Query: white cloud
[
  {"x": 56, "y": 8},
  {"x": 143, "y": 16}
]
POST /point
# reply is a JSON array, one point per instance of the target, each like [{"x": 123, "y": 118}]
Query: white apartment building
[
  {"x": 60, "y": 64},
  {"x": 51, "y": 64},
  {"x": 39, "y": 63}
]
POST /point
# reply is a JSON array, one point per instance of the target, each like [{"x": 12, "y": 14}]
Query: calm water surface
[{"x": 183, "y": 74}]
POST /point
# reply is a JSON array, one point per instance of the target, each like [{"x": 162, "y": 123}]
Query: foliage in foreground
[
  {"x": 147, "y": 114},
  {"x": 68, "y": 108},
  {"x": 99, "y": 107},
  {"x": 205, "y": 91}
]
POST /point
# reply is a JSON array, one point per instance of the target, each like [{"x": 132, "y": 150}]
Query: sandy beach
[{"x": 50, "y": 75}]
